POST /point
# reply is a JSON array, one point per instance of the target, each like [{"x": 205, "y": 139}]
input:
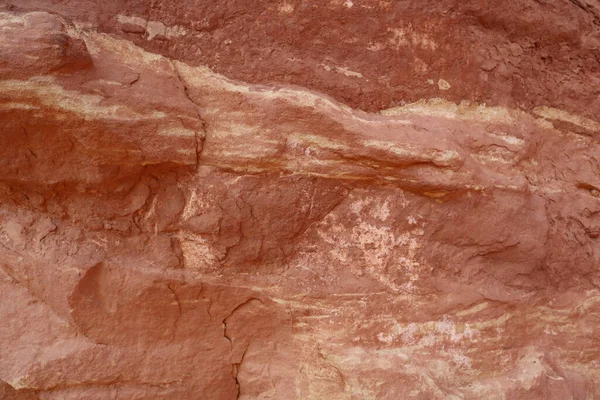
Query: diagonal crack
[
  {"x": 589, "y": 9},
  {"x": 236, "y": 366},
  {"x": 235, "y": 372},
  {"x": 199, "y": 137},
  {"x": 176, "y": 296},
  {"x": 238, "y": 307}
]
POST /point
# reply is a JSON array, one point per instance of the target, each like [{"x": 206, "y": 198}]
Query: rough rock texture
[{"x": 299, "y": 199}]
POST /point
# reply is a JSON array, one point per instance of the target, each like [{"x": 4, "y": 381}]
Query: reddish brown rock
[{"x": 299, "y": 200}]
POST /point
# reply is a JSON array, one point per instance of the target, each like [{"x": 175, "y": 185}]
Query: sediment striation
[{"x": 299, "y": 200}]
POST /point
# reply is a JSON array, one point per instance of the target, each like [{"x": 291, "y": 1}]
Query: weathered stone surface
[{"x": 299, "y": 200}]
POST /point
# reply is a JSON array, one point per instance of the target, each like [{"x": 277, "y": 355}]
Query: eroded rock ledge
[{"x": 168, "y": 232}]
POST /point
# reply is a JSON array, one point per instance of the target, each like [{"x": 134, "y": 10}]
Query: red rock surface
[{"x": 299, "y": 200}]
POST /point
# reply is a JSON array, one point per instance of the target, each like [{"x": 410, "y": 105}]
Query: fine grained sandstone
[{"x": 299, "y": 199}]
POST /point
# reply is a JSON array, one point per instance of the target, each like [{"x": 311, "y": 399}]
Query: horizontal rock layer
[{"x": 170, "y": 231}]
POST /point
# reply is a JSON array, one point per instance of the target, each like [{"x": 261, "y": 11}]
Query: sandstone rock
[{"x": 252, "y": 201}]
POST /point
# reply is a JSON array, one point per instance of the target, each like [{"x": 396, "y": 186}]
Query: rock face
[{"x": 299, "y": 200}]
